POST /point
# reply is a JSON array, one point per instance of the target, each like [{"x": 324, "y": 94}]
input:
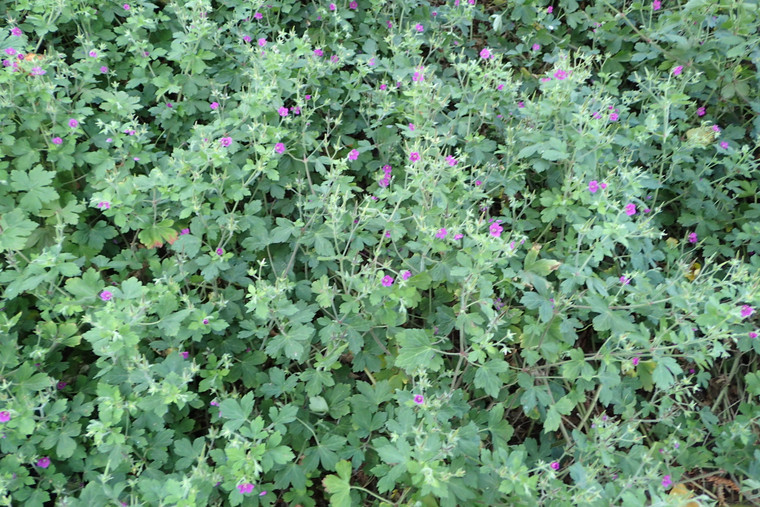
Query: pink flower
[
  {"x": 225, "y": 141},
  {"x": 716, "y": 128},
  {"x": 283, "y": 111},
  {"x": 104, "y": 205},
  {"x": 262, "y": 42},
  {"x": 441, "y": 233},
  {"x": 262, "y": 493},
  {"x": 73, "y": 123},
  {"x": 353, "y": 155},
  {"x": 383, "y": 86},
  {"x": 10, "y": 51},
  {"x": 93, "y": 54},
  {"x": 126, "y": 7},
  {"x": 630, "y": 209},
  {"x": 57, "y": 140},
  {"x": 603, "y": 185},
  {"x": 37, "y": 71},
  {"x": 279, "y": 148},
  {"x": 693, "y": 237},
  {"x": 560, "y": 74},
  {"x": 500, "y": 87},
  {"x": 419, "y": 399},
  {"x": 451, "y": 160},
  {"x": 332, "y": 7},
  {"x": 387, "y": 169},
  {"x": 752, "y": 334},
  {"x": 485, "y": 54},
  {"x": 246, "y": 38},
  {"x": 747, "y": 311},
  {"x": 458, "y": 236},
  {"x": 245, "y": 488},
  {"x": 478, "y": 183},
  {"x": 666, "y": 482},
  {"x": 521, "y": 104},
  {"x": 676, "y": 72},
  {"x": 724, "y": 145},
  {"x": 495, "y": 230},
  {"x": 205, "y": 321},
  {"x": 103, "y": 69},
  {"x": 318, "y": 52},
  {"x": 384, "y": 182},
  {"x": 106, "y": 295},
  {"x": 214, "y": 105},
  {"x": 406, "y": 275},
  {"x": 389, "y": 25},
  {"x": 258, "y": 15},
  {"x": 614, "y": 117},
  {"x": 43, "y": 462},
  {"x": 536, "y": 47},
  {"x": 184, "y": 231},
  {"x": 307, "y": 97},
  {"x": 701, "y": 111},
  {"x": 635, "y": 361},
  {"x": 16, "y": 31},
  {"x": 414, "y": 156},
  {"x": 656, "y": 5},
  {"x": 593, "y": 186},
  {"x": 219, "y": 251},
  {"x": 184, "y": 354},
  {"x": 353, "y": 5},
  {"x": 624, "y": 280},
  {"x": 387, "y": 281},
  {"x": 419, "y": 27},
  {"x": 554, "y": 464},
  {"x": 411, "y": 126},
  {"x": 5, "y": 416},
  {"x": 549, "y": 9}
]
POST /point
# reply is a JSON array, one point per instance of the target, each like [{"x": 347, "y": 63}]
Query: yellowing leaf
[
  {"x": 680, "y": 490},
  {"x": 694, "y": 270}
]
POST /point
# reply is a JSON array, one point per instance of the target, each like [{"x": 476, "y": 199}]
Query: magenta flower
[
  {"x": 332, "y": 7},
  {"x": 103, "y": 69},
  {"x": 478, "y": 183},
  {"x": 656, "y": 5},
  {"x": 387, "y": 169},
  {"x": 104, "y": 205},
  {"x": 387, "y": 281},
  {"x": 353, "y": 5},
  {"x": 614, "y": 117},
  {"x": 16, "y": 31},
  {"x": 419, "y": 27},
  {"x": 10, "y": 51},
  {"x": 205, "y": 321},
  {"x": 262, "y": 42},
  {"x": 258, "y": 15},
  {"x": 593, "y": 186},
  {"x": 747, "y": 311},
  {"x": 419, "y": 399},
  {"x": 93, "y": 54},
  {"x": 752, "y": 334},
  {"x": 283, "y": 111},
  {"x": 225, "y": 141},
  {"x": 549, "y": 9},
  {"x": 214, "y": 105},
  {"x": 384, "y": 182},
  {"x": 246, "y": 38},
  {"x": 219, "y": 251},
  {"x": 630, "y": 209},
  {"x": 536, "y": 47},
  {"x": 635, "y": 361},
  {"x": 701, "y": 111},
  {"x": 263, "y": 493},
  {"x": 560, "y": 74},
  {"x": 279, "y": 148},
  {"x": 458, "y": 236},
  {"x": 485, "y": 54},
  {"x": 406, "y": 275},
  {"x": 724, "y": 145},
  {"x": 441, "y": 233},
  {"x": 43, "y": 462},
  {"x": 383, "y": 86},
  {"x": 676, "y": 72},
  {"x": 716, "y": 128},
  {"x": 184, "y": 231},
  {"x": 666, "y": 482},
  {"x": 414, "y": 156},
  {"x": 693, "y": 237},
  {"x": 554, "y": 465},
  {"x": 451, "y": 160},
  {"x": 57, "y": 140},
  {"x": 495, "y": 230},
  {"x": 73, "y": 123},
  {"x": 5, "y": 416},
  {"x": 353, "y": 155},
  {"x": 126, "y": 7},
  {"x": 318, "y": 52},
  {"x": 184, "y": 354},
  {"x": 624, "y": 280},
  {"x": 245, "y": 488},
  {"x": 106, "y": 295},
  {"x": 603, "y": 185}
]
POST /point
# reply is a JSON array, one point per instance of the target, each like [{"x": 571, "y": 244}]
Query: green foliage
[{"x": 390, "y": 253}]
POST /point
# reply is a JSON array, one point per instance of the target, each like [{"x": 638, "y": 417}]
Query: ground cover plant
[{"x": 379, "y": 253}]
